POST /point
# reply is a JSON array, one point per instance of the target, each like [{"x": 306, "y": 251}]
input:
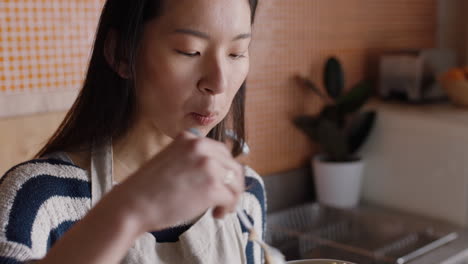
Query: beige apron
[{"x": 207, "y": 241}]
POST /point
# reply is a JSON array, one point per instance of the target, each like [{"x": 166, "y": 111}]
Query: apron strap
[{"x": 101, "y": 170}]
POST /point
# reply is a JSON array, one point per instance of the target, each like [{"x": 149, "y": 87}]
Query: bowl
[
  {"x": 455, "y": 83},
  {"x": 318, "y": 261},
  {"x": 457, "y": 91}
]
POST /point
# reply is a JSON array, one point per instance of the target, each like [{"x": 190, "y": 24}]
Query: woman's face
[{"x": 191, "y": 62}]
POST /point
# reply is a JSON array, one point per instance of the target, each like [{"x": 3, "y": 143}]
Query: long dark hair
[{"x": 105, "y": 107}]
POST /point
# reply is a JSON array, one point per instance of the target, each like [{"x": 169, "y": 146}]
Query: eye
[
  {"x": 236, "y": 56},
  {"x": 188, "y": 54}
]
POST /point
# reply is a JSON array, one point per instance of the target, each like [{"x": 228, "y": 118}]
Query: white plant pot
[{"x": 338, "y": 184}]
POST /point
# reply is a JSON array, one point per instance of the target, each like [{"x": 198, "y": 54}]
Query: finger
[
  {"x": 222, "y": 211},
  {"x": 234, "y": 178},
  {"x": 223, "y": 202},
  {"x": 232, "y": 172},
  {"x": 221, "y": 147},
  {"x": 197, "y": 147},
  {"x": 212, "y": 147},
  {"x": 184, "y": 135},
  {"x": 219, "y": 212},
  {"x": 216, "y": 144},
  {"x": 217, "y": 177},
  {"x": 236, "y": 192},
  {"x": 211, "y": 151},
  {"x": 228, "y": 165}
]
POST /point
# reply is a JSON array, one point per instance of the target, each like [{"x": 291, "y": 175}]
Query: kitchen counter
[
  {"x": 455, "y": 252},
  {"x": 367, "y": 234}
]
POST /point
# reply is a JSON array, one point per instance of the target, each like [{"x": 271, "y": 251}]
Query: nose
[{"x": 214, "y": 77}]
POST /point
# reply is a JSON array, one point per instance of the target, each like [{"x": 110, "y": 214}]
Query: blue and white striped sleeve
[
  {"x": 39, "y": 201},
  {"x": 254, "y": 205}
]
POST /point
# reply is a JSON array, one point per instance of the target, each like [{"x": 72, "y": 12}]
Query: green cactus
[{"x": 339, "y": 128}]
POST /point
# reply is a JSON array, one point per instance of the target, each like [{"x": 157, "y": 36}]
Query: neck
[{"x": 140, "y": 144}]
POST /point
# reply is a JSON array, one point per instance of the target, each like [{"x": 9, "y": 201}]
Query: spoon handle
[{"x": 244, "y": 219}]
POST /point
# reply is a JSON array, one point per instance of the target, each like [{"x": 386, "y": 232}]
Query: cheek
[
  {"x": 158, "y": 70},
  {"x": 235, "y": 83},
  {"x": 162, "y": 80},
  {"x": 238, "y": 78}
]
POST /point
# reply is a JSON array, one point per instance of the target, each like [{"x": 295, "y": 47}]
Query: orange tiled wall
[
  {"x": 44, "y": 44},
  {"x": 47, "y": 51},
  {"x": 296, "y": 36}
]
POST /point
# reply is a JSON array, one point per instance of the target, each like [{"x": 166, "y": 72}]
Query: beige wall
[{"x": 21, "y": 137}]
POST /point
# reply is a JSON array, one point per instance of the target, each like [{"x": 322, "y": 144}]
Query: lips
[{"x": 203, "y": 118}]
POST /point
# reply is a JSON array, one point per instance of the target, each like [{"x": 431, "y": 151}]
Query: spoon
[{"x": 272, "y": 255}]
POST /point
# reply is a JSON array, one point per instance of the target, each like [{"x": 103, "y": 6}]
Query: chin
[{"x": 204, "y": 130}]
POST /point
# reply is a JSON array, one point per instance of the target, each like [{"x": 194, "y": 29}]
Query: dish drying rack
[{"x": 365, "y": 235}]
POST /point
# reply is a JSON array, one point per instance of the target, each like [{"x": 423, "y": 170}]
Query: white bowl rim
[{"x": 305, "y": 261}]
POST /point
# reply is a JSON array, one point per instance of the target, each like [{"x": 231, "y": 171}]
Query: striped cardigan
[{"x": 41, "y": 199}]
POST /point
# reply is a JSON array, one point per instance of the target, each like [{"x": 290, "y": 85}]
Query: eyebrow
[{"x": 203, "y": 35}]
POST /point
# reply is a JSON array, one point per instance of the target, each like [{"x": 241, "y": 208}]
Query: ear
[{"x": 120, "y": 67}]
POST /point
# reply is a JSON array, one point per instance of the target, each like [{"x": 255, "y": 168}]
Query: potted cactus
[{"x": 340, "y": 129}]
